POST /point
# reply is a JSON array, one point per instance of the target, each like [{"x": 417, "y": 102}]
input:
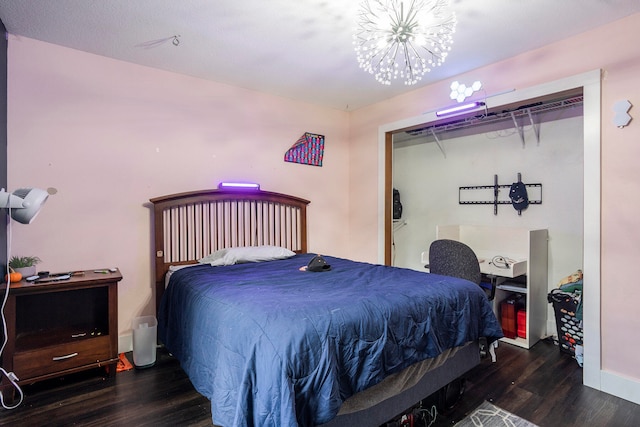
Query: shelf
[
  {"x": 513, "y": 287},
  {"x": 523, "y": 255},
  {"x": 520, "y": 342},
  {"x": 510, "y": 269},
  {"x": 39, "y": 339}
]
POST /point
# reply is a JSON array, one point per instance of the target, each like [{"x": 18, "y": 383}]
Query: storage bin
[
  {"x": 522, "y": 324},
  {"x": 509, "y": 308},
  {"x": 569, "y": 328},
  {"x": 508, "y": 318},
  {"x": 145, "y": 329}
]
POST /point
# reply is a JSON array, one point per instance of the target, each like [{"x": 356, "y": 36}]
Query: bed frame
[{"x": 188, "y": 226}]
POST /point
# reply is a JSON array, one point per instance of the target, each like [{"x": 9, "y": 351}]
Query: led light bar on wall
[
  {"x": 459, "y": 108},
  {"x": 238, "y": 186}
]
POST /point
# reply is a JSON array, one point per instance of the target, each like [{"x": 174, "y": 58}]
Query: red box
[
  {"x": 508, "y": 318},
  {"x": 522, "y": 323}
]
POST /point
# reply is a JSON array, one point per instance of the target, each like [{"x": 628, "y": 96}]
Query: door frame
[{"x": 590, "y": 83}]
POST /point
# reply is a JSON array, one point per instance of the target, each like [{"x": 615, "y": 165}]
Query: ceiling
[{"x": 298, "y": 49}]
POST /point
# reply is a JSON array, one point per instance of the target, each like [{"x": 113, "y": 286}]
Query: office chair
[
  {"x": 456, "y": 259},
  {"x": 453, "y": 258}
]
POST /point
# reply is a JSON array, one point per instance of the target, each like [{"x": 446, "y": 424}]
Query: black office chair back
[
  {"x": 453, "y": 258},
  {"x": 456, "y": 259}
]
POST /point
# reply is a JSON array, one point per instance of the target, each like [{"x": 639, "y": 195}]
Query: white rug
[{"x": 488, "y": 415}]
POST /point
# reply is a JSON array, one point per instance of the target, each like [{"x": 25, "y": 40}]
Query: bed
[{"x": 270, "y": 344}]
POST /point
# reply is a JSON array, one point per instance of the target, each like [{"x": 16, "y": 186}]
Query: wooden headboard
[{"x": 188, "y": 226}]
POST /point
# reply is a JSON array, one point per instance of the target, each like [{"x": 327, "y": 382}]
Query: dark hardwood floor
[{"x": 541, "y": 385}]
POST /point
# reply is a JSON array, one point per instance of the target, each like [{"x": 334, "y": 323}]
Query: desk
[{"x": 527, "y": 275}]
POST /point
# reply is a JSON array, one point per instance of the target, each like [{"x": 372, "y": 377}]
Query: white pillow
[{"x": 230, "y": 256}]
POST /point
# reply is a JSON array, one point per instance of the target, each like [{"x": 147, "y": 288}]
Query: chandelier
[{"x": 403, "y": 39}]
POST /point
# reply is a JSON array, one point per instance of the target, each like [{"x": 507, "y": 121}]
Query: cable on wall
[{"x": 11, "y": 377}]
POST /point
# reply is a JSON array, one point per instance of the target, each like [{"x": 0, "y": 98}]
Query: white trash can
[{"x": 145, "y": 329}]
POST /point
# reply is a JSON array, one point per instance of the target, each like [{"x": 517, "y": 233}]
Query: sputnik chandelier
[{"x": 403, "y": 39}]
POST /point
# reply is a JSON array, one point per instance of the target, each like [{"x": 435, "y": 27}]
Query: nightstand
[{"x": 61, "y": 327}]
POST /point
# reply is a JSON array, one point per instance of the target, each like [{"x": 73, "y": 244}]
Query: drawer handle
[
  {"x": 68, "y": 356},
  {"x": 83, "y": 334}
]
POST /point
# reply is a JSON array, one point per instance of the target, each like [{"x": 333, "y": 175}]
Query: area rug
[{"x": 488, "y": 415}]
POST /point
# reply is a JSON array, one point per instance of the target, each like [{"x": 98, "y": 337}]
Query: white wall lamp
[
  {"x": 24, "y": 203},
  {"x": 622, "y": 117}
]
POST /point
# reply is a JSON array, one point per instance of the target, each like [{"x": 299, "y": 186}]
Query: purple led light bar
[
  {"x": 238, "y": 186},
  {"x": 458, "y": 108}
]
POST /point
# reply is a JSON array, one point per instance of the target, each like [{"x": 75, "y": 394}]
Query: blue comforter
[{"x": 271, "y": 345}]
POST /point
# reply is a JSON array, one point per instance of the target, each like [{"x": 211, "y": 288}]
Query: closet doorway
[{"x": 587, "y": 86}]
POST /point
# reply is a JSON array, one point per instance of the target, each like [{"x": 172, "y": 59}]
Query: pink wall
[
  {"x": 610, "y": 48},
  {"x": 110, "y": 135}
]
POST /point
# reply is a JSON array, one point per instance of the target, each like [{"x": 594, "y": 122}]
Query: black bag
[
  {"x": 318, "y": 263},
  {"x": 397, "y": 206}
]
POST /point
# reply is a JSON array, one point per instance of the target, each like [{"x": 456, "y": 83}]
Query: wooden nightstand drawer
[{"x": 44, "y": 361}]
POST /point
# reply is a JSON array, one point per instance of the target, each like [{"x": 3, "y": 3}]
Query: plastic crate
[{"x": 568, "y": 326}]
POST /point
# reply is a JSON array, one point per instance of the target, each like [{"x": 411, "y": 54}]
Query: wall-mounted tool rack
[{"x": 496, "y": 194}]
